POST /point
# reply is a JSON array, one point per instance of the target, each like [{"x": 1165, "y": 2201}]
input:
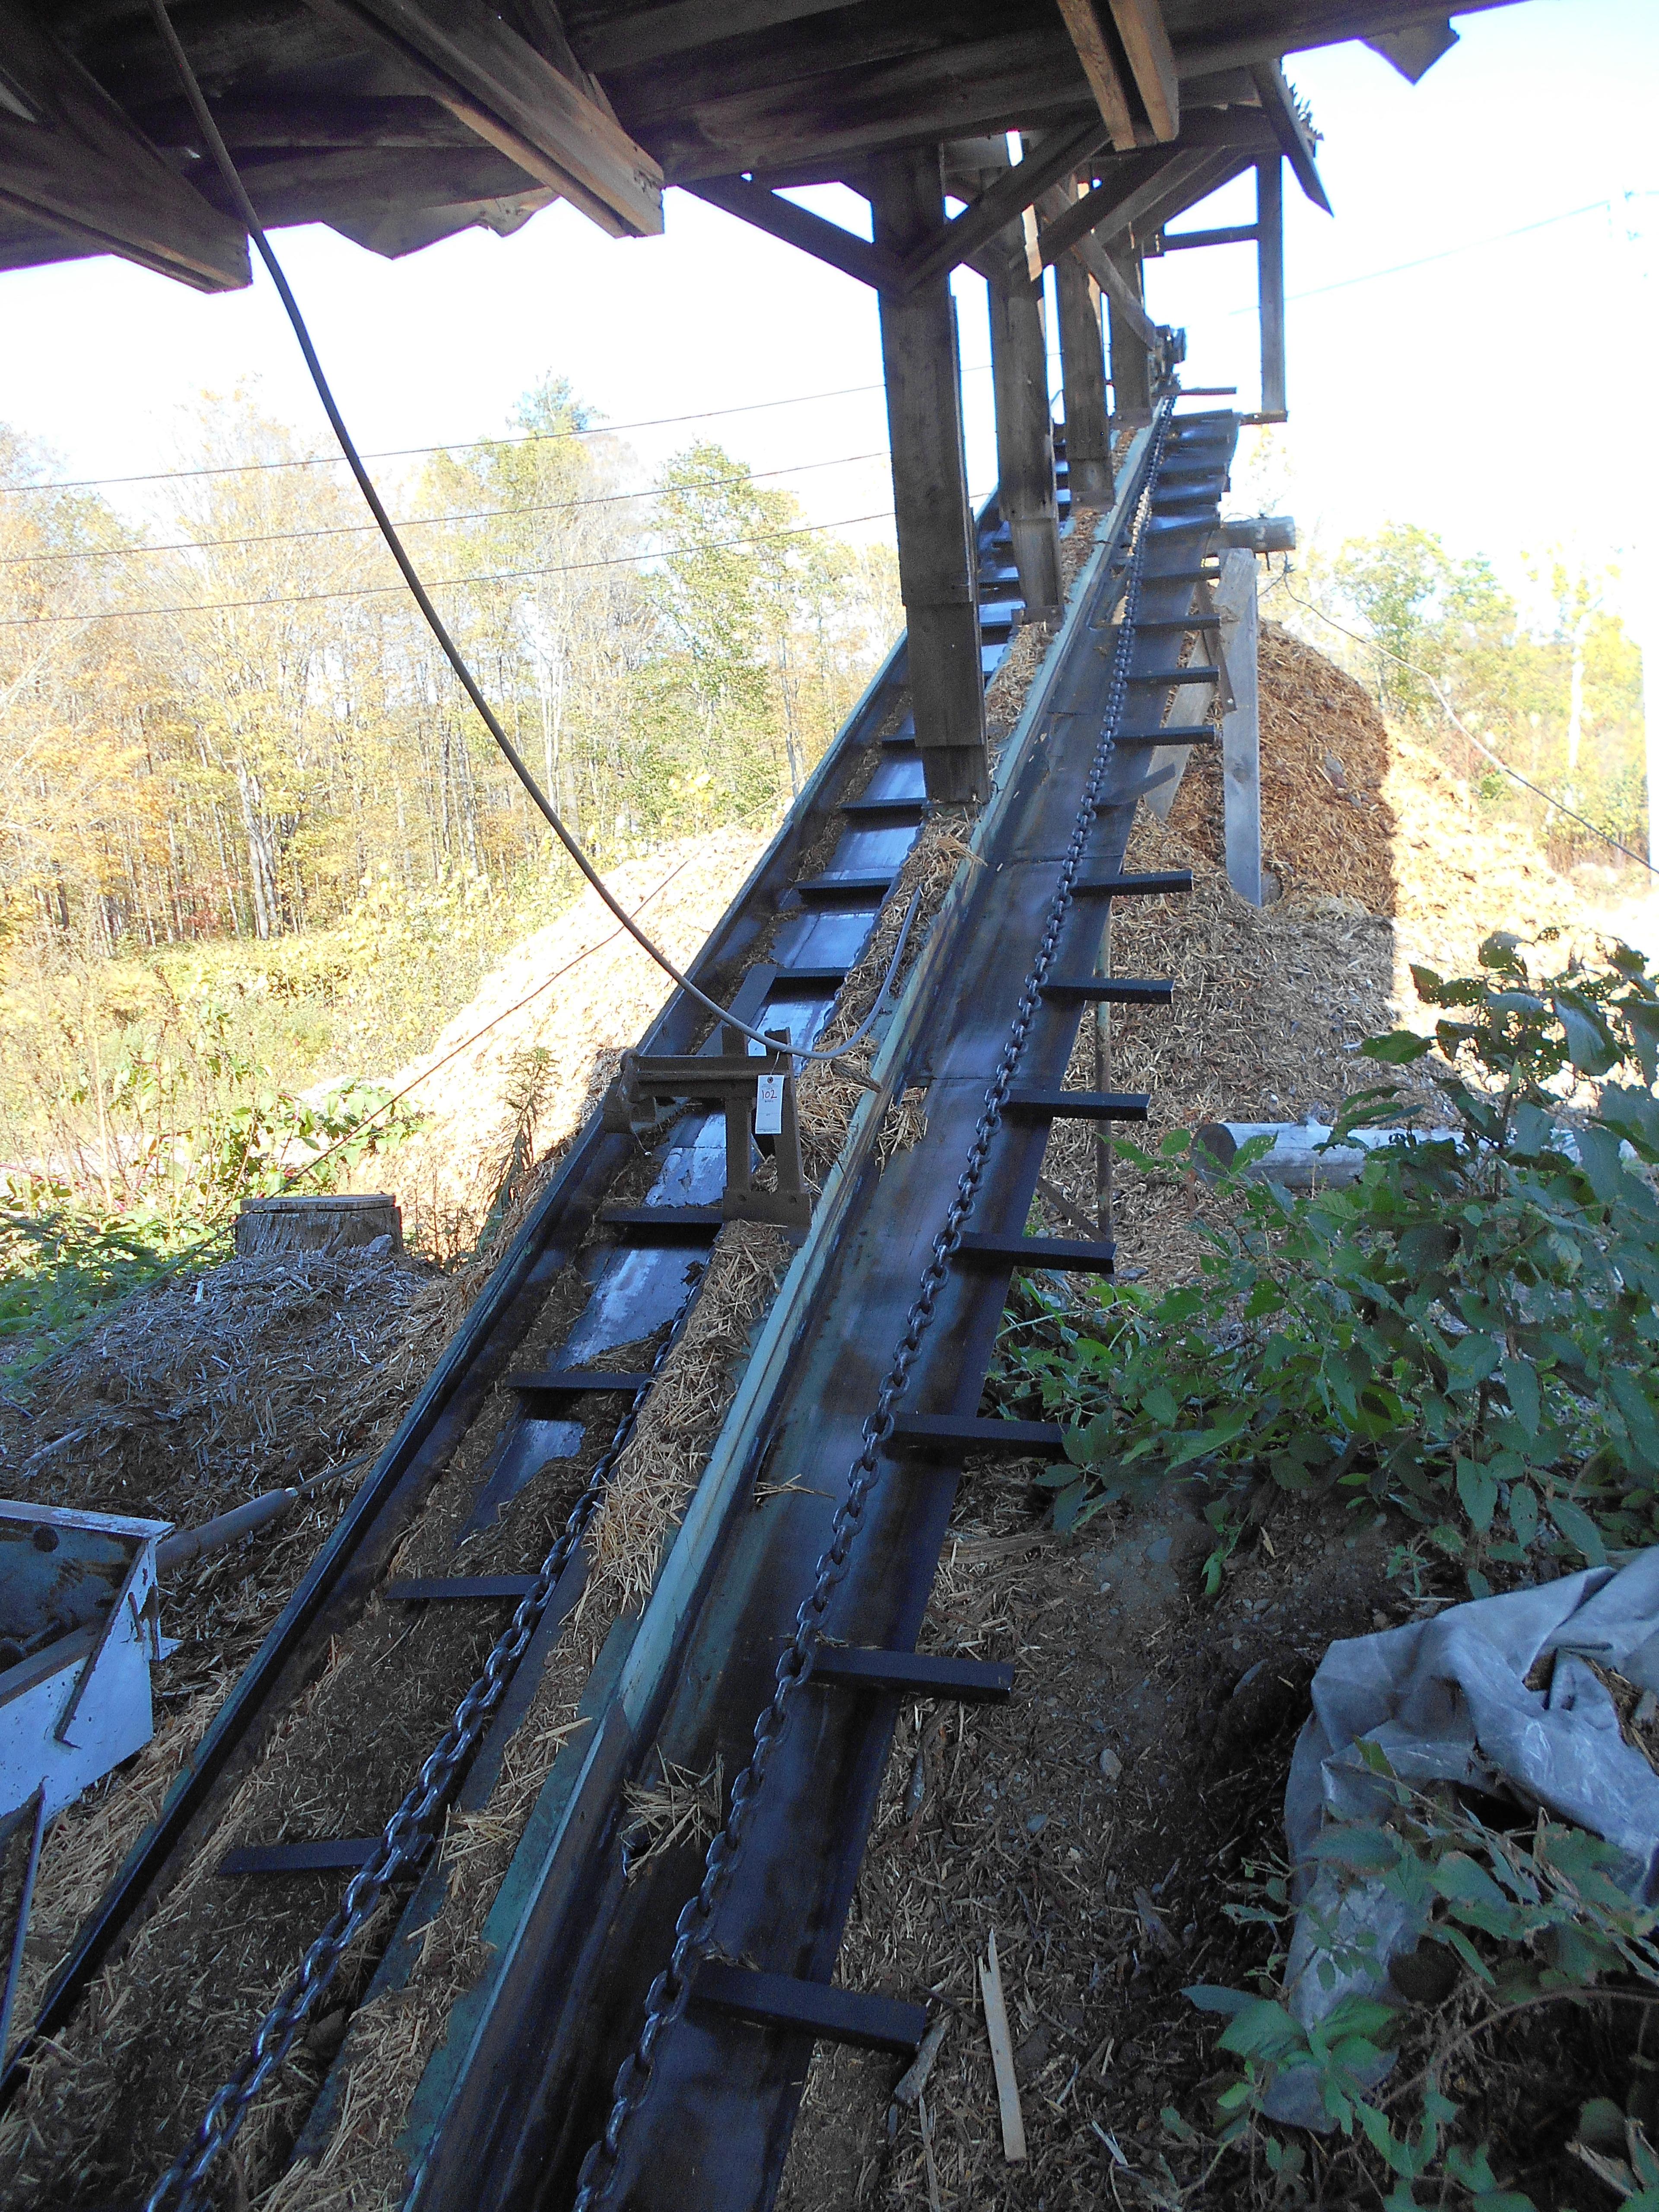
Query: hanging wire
[
  {"x": 452, "y": 652},
  {"x": 1461, "y": 726}
]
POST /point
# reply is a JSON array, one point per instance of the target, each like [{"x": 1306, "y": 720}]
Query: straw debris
[{"x": 669, "y": 1448}]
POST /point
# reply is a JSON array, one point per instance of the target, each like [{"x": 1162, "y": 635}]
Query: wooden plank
[
  {"x": 1094, "y": 47},
  {"x": 848, "y": 107},
  {"x": 1152, "y": 63},
  {"x": 1270, "y": 282},
  {"x": 1287, "y": 126},
  {"x": 78, "y": 165},
  {"x": 1002, "y": 2055},
  {"x": 938, "y": 572},
  {"x": 466, "y": 56},
  {"x": 798, "y": 226},
  {"x": 1241, "y": 733},
  {"x": 652, "y": 33},
  {"x": 1020, "y": 188},
  {"x": 1239, "y": 35}
]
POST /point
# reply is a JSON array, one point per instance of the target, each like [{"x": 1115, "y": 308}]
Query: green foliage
[
  {"x": 1468, "y": 1334},
  {"x": 1513, "y": 1920}
]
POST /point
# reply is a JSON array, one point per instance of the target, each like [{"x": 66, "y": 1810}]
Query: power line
[
  {"x": 1451, "y": 713},
  {"x": 461, "y": 445},
  {"x": 1446, "y": 254},
  {"x": 446, "y": 583},
  {"x": 466, "y": 445},
  {"x": 428, "y": 522}
]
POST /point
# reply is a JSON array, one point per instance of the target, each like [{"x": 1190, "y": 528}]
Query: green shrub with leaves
[
  {"x": 1517, "y": 1922},
  {"x": 1468, "y": 1334}
]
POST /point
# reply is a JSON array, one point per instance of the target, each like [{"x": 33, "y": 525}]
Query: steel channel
[{"x": 512, "y": 2137}]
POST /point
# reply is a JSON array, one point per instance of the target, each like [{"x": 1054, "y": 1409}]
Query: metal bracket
[{"x": 730, "y": 1078}]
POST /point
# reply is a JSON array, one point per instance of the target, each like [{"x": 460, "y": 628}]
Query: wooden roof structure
[{"x": 400, "y": 122}]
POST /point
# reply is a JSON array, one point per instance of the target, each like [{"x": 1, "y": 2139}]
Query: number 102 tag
[{"x": 768, "y": 1106}]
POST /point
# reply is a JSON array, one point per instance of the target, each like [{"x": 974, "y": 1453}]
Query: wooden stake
[{"x": 1002, "y": 2055}]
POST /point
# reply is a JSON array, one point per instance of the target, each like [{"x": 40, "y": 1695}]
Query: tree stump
[{"x": 343, "y": 1224}]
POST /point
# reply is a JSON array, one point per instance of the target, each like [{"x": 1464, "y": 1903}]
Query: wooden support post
[
  {"x": 1083, "y": 372},
  {"x": 1270, "y": 279},
  {"x": 1241, "y": 731},
  {"x": 1131, "y": 358},
  {"x": 939, "y": 576},
  {"x": 1026, "y": 442}
]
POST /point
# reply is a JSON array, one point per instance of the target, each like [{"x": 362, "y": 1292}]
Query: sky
[{"x": 1470, "y": 338}]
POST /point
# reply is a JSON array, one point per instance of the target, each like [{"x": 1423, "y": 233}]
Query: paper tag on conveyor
[{"x": 768, "y": 1106}]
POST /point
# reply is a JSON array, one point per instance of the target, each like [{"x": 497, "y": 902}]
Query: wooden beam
[
  {"x": 466, "y": 57},
  {"x": 1003, "y": 202},
  {"x": 1090, "y": 255},
  {"x": 938, "y": 572},
  {"x": 651, "y": 34},
  {"x": 1131, "y": 367},
  {"x": 1280, "y": 108},
  {"x": 799, "y": 226},
  {"x": 1094, "y": 47},
  {"x": 1082, "y": 379},
  {"x": 1025, "y": 446},
  {"x": 1270, "y": 281},
  {"x": 1152, "y": 63},
  {"x": 1237, "y": 233},
  {"x": 833, "y": 103},
  {"x": 1114, "y": 206},
  {"x": 80, "y": 167},
  {"x": 1416, "y": 49}
]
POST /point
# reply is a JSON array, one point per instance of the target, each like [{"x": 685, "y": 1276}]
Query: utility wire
[
  {"x": 466, "y": 445},
  {"x": 510, "y": 753},
  {"x": 1452, "y": 716},
  {"x": 431, "y": 521},
  {"x": 447, "y": 583}
]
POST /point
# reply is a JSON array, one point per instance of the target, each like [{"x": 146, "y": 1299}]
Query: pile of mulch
[{"x": 193, "y": 1397}]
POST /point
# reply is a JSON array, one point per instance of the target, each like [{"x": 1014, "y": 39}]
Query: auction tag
[{"x": 768, "y": 1106}]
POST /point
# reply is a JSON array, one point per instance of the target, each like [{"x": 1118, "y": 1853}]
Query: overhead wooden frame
[
  {"x": 554, "y": 127},
  {"x": 962, "y": 240},
  {"x": 70, "y": 158},
  {"x": 1279, "y": 107}
]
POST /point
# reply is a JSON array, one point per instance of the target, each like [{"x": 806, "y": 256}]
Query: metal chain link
[
  {"x": 407, "y": 1836},
  {"x": 671, "y": 1992}
]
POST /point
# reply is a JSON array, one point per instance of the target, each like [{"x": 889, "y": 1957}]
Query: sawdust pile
[
  {"x": 575, "y": 990},
  {"x": 660, "y": 1468},
  {"x": 1357, "y": 809}
]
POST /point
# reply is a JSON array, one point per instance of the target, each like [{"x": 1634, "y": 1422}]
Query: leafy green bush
[
  {"x": 1516, "y": 1920},
  {"x": 1468, "y": 1334}
]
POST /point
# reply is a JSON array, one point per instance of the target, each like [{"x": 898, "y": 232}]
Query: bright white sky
[{"x": 1495, "y": 388}]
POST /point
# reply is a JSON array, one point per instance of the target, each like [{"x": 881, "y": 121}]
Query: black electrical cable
[{"x": 452, "y": 652}]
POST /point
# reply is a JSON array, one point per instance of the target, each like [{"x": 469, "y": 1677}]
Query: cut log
[{"x": 343, "y": 1224}]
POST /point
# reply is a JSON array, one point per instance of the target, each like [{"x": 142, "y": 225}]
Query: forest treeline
[{"x": 276, "y": 733}]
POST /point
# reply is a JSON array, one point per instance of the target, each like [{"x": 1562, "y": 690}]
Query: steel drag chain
[
  {"x": 671, "y": 1992},
  {"x": 406, "y": 1839}
]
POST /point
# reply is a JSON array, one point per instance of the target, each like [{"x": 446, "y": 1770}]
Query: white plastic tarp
[{"x": 1447, "y": 1701}]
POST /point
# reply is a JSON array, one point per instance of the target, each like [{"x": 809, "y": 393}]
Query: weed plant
[{"x": 1467, "y": 1335}]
